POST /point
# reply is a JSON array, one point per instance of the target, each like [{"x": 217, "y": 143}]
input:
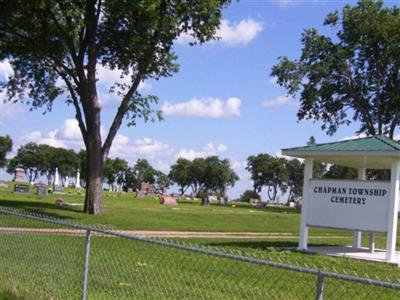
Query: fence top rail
[{"x": 193, "y": 248}]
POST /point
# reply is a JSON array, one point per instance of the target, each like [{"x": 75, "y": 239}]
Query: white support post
[
  {"x": 358, "y": 234},
  {"x": 308, "y": 173},
  {"x": 372, "y": 242},
  {"x": 393, "y": 212}
]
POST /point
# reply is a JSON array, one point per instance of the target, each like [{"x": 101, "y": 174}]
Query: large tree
[
  {"x": 5, "y": 147},
  {"x": 353, "y": 76},
  {"x": 53, "y": 41},
  {"x": 268, "y": 171},
  {"x": 114, "y": 171},
  {"x": 218, "y": 175},
  {"x": 30, "y": 158},
  {"x": 295, "y": 172},
  {"x": 180, "y": 174}
]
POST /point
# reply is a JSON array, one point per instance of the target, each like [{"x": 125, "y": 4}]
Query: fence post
[
  {"x": 86, "y": 264},
  {"x": 320, "y": 286}
]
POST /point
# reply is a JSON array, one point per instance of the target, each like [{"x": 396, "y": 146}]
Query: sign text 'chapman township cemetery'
[{"x": 345, "y": 204}]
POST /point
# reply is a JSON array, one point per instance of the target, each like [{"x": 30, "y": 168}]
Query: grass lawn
[
  {"x": 44, "y": 266},
  {"x": 50, "y": 267},
  {"x": 127, "y": 212}
]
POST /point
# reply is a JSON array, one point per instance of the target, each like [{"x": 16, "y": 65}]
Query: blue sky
[{"x": 222, "y": 101}]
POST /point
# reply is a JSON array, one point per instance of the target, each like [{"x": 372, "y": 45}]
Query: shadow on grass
[
  {"x": 277, "y": 245},
  {"x": 246, "y": 206},
  {"x": 7, "y": 295},
  {"x": 39, "y": 207}
]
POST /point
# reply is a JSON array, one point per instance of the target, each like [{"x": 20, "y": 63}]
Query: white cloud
[
  {"x": 6, "y": 69},
  {"x": 69, "y": 131},
  {"x": 204, "y": 107},
  {"x": 231, "y": 34},
  {"x": 239, "y": 34},
  {"x": 107, "y": 78},
  {"x": 208, "y": 150},
  {"x": 8, "y": 110},
  {"x": 272, "y": 81},
  {"x": 141, "y": 148},
  {"x": 279, "y": 101},
  {"x": 163, "y": 166},
  {"x": 68, "y": 136},
  {"x": 288, "y": 3}
]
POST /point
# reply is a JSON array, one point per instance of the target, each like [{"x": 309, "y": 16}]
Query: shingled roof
[
  {"x": 371, "y": 143},
  {"x": 372, "y": 152}
]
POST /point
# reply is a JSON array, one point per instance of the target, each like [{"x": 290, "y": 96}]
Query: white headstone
[
  {"x": 66, "y": 183},
  {"x": 78, "y": 180},
  {"x": 56, "y": 178}
]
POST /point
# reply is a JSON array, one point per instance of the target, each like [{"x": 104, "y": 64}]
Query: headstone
[
  {"x": 19, "y": 175},
  {"x": 255, "y": 202},
  {"x": 140, "y": 194},
  {"x": 21, "y": 188},
  {"x": 147, "y": 188},
  {"x": 78, "y": 180},
  {"x": 205, "y": 201},
  {"x": 3, "y": 185},
  {"x": 130, "y": 190},
  {"x": 66, "y": 182},
  {"x": 292, "y": 204},
  {"x": 56, "y": 178},
  {"x": 41, "y": 190},
  {"x": 223, "y": 200},
  {"x": 58, "y": 189},
  {"x": 60, "y": 202},
  {"x": 168, "y": 200}
]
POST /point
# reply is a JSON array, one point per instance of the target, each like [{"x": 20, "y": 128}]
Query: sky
[{"x": 222, "y": 102}]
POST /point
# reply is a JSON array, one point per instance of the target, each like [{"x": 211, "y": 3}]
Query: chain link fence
[{"x": 42, "y": 257}]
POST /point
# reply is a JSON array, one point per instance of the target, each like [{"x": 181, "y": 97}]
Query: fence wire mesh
[{"x": 44, "y": 258}]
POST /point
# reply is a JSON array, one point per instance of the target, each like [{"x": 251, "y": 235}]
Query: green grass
[
  {"x": 50, "y": 267},
  {"x": 124, "y": 211},
  {"x": 44, "y": 266}
]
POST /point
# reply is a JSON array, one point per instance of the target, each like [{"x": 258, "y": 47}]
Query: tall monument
[
  {"x": 78, "y": 180},
  {"x": 66, "y": 183},
  {"x": 56, "y": 178}
]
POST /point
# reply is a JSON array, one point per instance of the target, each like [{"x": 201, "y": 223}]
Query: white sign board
[{"x": 349, "y": 204}]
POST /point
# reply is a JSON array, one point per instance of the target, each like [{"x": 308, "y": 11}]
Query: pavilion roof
[{"x": 375, "y": 152}]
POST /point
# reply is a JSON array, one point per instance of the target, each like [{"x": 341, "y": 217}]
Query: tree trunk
[{"x": 94, "y": 198}]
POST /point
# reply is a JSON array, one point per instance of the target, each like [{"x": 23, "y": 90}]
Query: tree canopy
[
  {"x": 41, "y": 160},
  {"x": 353, "y": 76},
  {"x": 268, "y": 171},
  {"x": 179, "y": 174},
  {"x": 114, "y": 171},
  {"x": 5, "y": 147},
  {"x": 204, "y": 176},
  {"x": 56, "y": 47}
]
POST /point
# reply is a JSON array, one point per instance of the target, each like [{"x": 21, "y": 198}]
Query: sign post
[
  {"x": 393, "y": 211},
  {"x": 358, "y": 234},
  {"x": 308, "y": 173}
]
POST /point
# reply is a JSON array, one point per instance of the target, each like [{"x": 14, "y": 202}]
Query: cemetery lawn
[
  {"x": 121, "y": 267},
  {"x": 123, "y": 211},
  {"x": 146, "y": 271}
]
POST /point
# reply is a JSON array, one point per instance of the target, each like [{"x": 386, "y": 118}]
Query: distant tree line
[
  {"x": 199, "y": 177},
  {"x": 203, "y": 176}
]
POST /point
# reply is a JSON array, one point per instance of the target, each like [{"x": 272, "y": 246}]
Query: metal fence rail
[{"x": 66, "y": 260}]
